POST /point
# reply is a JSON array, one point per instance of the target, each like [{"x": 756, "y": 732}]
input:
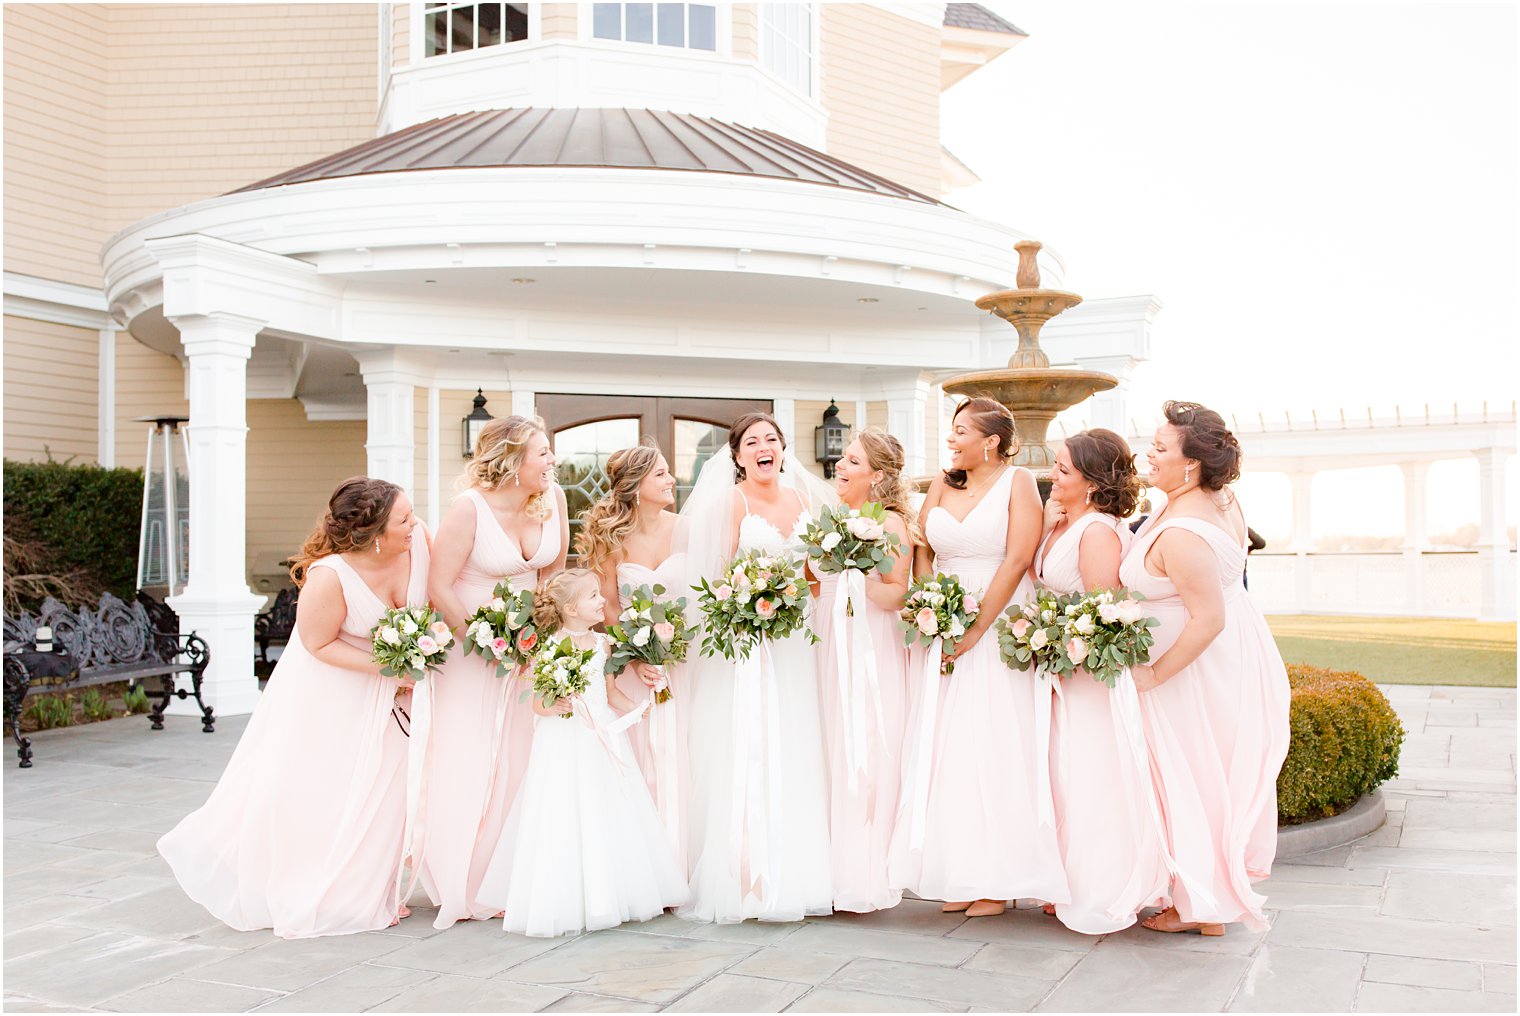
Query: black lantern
[
  {"x": 829, "y": 439},
  {"x": 475, "y": 423}
]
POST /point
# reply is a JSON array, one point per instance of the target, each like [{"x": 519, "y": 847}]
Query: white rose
[
  {"x": 830, "y": 542},
  {"x": 1047, "y": 616},
  {"x": 416, "y": 661},
  {"x": 498, "y": 604},
  {"x": 482, "y": 635},
  {"x": 390, "y": 635},
  {"x": 640, "y": 637},
  {"x": 956, "y": 628},
  {"x": 865, "y": 529},
  {"x": 1072, "y": 609},
  {"x": 1109, "y": 612},
  {"x": 408, "y": 626},
  {"x": 1039, "y": 640},
  {"x": 1085, "y": 625},
  {"x": 1130, "y": 611},
  {"x": 1077, "y": 650},
  {"x": 937, "y": 598}
]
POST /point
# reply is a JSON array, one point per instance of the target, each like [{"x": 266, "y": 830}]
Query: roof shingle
[{"x": 978, "y": 17}]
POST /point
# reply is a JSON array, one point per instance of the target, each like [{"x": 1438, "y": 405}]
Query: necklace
[{"x": 996, "y": 473}]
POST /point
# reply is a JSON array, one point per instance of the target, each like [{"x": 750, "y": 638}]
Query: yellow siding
[
  {"x": 881, "y": 86},
  {"x": 454, "y": 406},
  {"x": 293, "y": 465},
  {"x": 51, "y": 391},
  {"x": 746, "y": 30},
  {"x": 420, "y": 503},
  {"x": 401, "y": 34},
  {"x": 148, "y": 383},
  {"x": 558, "y": 21}
]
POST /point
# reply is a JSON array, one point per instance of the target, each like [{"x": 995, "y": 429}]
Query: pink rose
[
  {"x": 526, "y": 641},
  {"x": 1020, "y": 627},
  {"x": 426, "y": 645},
  {"x": 665, "y": 631},
  {"x": 1076, "y": 649},
  {"x": 791, "y": 590},
  {"x": 439, "y": 629},
  {"x": 498, "y": 646},
  {"x": 765, "y": 608},
  {"x": 970, "y": 605},
  {"x": 723, "y": 592},
  {"x": 926, "y": 621}
]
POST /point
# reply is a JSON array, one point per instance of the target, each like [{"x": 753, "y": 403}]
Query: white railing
[{"x": 1429, "y": 584}]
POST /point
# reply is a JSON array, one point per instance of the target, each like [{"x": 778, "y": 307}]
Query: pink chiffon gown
[
  {"x": 659, "y": 740},
  {"x": 1106, "y": 828},
  {"x": 482, "y": 731},
  {"x": 982, "y": 835},
  {"x": 1217, "y": 733},
  {"x": 303, "y": 833},
  {"x": 861, "y": 817}
]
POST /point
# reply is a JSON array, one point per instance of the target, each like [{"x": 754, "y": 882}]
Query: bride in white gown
[{"x": 759, "y": 843}]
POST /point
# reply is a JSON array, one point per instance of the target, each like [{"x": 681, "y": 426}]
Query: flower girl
[{"x": 583, "y": 847}]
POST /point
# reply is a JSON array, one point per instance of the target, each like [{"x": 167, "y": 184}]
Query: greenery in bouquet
[
  {"x": 561, "y": 671},
  {"x": 410, "y": 642},
  {"x": 649, "y": 630},
  {"x": 842, "y": 538},
  {"x": 758, "y": 596},
  {"x": 501, "y": 629},
  {"x": 1032, "y": 634},
  {"x": 938, "y": 607},
  {"x": 1107, "y": 631}
]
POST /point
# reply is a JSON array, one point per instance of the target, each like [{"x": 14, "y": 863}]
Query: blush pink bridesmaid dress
[
  {"x": 303, "y": 832},
  {"x": 1217, "y": 733},
  {"x": 1110, "y": 844},
  {"x": 481, "y": 734}
]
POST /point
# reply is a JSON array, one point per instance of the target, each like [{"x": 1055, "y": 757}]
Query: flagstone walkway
[{"x": 1419, "y": 916}]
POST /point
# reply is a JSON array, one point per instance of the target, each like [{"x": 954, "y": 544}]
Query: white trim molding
[{"x": 59, "y": 303}]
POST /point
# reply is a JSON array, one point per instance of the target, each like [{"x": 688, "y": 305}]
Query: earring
[
  {"x": 637, "y": 501},
  {"x": 516, "y": 480},
  {"x": 377, "y": 545},
  {"x": 1088, "y": 499},
  {"x": 984, "y": 453},
  {"x": 1187, "y": 472}
]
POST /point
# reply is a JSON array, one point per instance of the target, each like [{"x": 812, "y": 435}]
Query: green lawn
[{"x": 1402, "y": 650}]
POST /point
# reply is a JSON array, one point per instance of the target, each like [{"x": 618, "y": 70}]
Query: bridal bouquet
[
  {"x": 938, "y": 608},
  {"x": 561, "y": 671},
  {"x": 651, "y": 631},
  {"x": 1033, "y": 634},
  {"x": 502, "y": 628},
  {"x": 1107, "y": 631},
  {"x": 842, "y": 538},
  {"x": 757, "y": 596},
  {"x": 410, "y": 642}
]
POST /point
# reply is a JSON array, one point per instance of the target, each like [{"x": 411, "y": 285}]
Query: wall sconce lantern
[
  {"x": 829, "y": 440},
  {"x": 475, "y": 423}
]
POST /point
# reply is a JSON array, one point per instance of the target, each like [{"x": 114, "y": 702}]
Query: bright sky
[{"x": 1324, "y": 197}]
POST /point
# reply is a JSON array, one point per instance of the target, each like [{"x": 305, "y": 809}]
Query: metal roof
[
  {"x": 620, "y": 138},
  {"x": 978, "y": 17}
]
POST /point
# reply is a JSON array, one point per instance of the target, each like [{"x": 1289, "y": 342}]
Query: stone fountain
[{"x": 1029, "y": 386}]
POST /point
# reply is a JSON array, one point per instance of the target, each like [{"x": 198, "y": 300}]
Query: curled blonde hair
[
  {"x": 551, "y": 598},
  {"x": 499, "y": 452},
  {"x": 885, "y": 452},
  {"x": 608, "y": 522}
]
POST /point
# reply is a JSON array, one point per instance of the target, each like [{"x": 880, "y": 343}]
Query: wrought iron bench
[
  {"x": 275, "y": 625},
  {"x": 115, "y": 642}
]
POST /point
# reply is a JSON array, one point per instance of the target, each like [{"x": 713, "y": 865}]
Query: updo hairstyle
[
  {"x": 553, "y": 596},
  {"x": 1105, "y": 461},
  {"x": 356, "y": 515},
  {"x": 989, "y": 417},
  {"x": 1206, "y": 439}
]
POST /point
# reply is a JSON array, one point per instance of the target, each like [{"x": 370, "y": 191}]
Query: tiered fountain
[{"x": 1029, "y": 386}]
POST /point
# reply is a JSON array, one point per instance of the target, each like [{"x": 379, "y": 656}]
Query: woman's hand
[
  {"x": 1055, "y": 514},
  {"x": 1144, "y": 676},
  {"x": 955, "y": 650},
  {"x": 651, "y": 675}
]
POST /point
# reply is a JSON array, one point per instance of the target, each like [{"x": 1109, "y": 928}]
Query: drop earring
[
  {"x": 984, "y": 454},
  {"x": 516, "y": 480},
  {"x": 1187, "y": 472},
  {"x": 1088, "y": 498},
  {"x": 637, "y": 500},
  {"x": 377, "y": 545}
]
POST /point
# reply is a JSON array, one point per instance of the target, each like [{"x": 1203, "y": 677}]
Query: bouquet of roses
[
  {"x": 1107, "y": 631},
  {"x": 842, "y": 538},
  {"x": 757, "y": 596},
  {"x": 502, "y": 629},
  {"x": 561, "y": 671},
  {"x": 938, "y": 608},
  {"x": 1033, "y": 634},
  {"x": 650, "y": 631},
  {"x": 410, "y": 642}
]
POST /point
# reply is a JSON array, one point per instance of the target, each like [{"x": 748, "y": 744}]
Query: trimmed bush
[
  {"x": 82, "y": 520},
  {"x": 1345, "y": 743}
]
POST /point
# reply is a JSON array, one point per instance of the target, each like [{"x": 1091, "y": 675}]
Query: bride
[{"x": 759, "y": 842}]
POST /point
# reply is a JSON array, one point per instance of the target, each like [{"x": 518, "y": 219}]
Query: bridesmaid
[
  {"x": 982, "y": 842},
  {"x": 303, "y": 832},
  {"x": 1215, "y": 698},
  {"x": 627, "y": 539},
  {"x": 862, "y": 809},
  {"x": 510, "y": 523},
  {"x": 1110, "y": 844}
]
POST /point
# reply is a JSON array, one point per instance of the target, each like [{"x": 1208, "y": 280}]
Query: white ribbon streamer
[
  {"x": 855, "y": 669},
  {"x": 421, "y": 727},
  {"x": 755, "y": 819},
  {"x": 923, "y": 762},
  {"x": 665, "y": 761},
  {"x": 580, "y": 707},
  {"x": 1046, "y": 687}
]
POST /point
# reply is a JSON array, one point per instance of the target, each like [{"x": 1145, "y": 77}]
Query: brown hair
[
  {"x": 1207, "y": 439},
  {"x": 356, "y": 515},
  {"x": 606, "y": 523},
  {"x": 993, "y": 419},
  {"x": 885, "y": 452},
  {"x": 550, "y": 599},
  {"x": 736, "y": 434},
  {"x": 499, "y": 452},
  {"x": 1105, "y": 461}
]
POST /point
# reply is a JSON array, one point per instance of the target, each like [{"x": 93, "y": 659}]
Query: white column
[
  {"x": 391, "y": 445},
  {"x": 906, "y": 421},
  {"x": 785, "y": 412},
  {"x": 1110, "y": 409},
  {"x": 216, "y": 603},
  {"x": 106, "y": 434},
  {"x": 1303, "y": 538},
  {"x": 1497, "y": 601},
  {"x": 524, "y": 402},
  {"x": 860, "y": 417},
  {"x": 434, "y": 458},
  {"x": 1416, "y": 477}
]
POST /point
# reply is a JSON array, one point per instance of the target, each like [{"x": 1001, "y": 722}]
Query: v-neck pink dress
[
  {"x": 303, "y": 832},
  {"x": 1217, "y": 734},
  {"x": 482, "y": 731}
]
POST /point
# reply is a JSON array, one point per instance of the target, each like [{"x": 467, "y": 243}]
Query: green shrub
[
  {"x": 49, "y": 711},
  {"x": 94, "y": 705},
  {"x": 1345, "y": 740},
  {"x": 85, "y": 519},
  {"x": 135, "y": 700}
]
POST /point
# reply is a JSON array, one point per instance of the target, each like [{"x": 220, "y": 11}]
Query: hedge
[
  {"x": 83, "y": 518},
  {"x": 1345, "y": 741}
]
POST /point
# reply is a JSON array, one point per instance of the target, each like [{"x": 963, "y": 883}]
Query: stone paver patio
[{"x": 1419, "y": 916}]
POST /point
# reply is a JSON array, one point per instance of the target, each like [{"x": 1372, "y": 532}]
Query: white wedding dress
[{"x": 760, "y": 845}]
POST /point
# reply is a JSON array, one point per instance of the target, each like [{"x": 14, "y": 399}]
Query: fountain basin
[{"x": 1034, "y": 395}]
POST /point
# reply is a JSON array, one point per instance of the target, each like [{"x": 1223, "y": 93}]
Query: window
[
  {"x": 786, "y": 43},
  {"x": 690, "y": 26},
  {"x": 459, "y": 28}
]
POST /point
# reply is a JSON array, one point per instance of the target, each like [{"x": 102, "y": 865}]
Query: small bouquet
[
  {"x": 502, "y": 629},
  {"x": 857, "y": 538},
  {"x": 938, "y": 608},
  {"x": 758, "y": 596},
  {"x": 650, "y": 631},
  {"x": 410, "y": 642},
  {"x": 1033, "y": 634},
  {"x": 561, "y": 671},
  {"x": 1107, "y": 631}
]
